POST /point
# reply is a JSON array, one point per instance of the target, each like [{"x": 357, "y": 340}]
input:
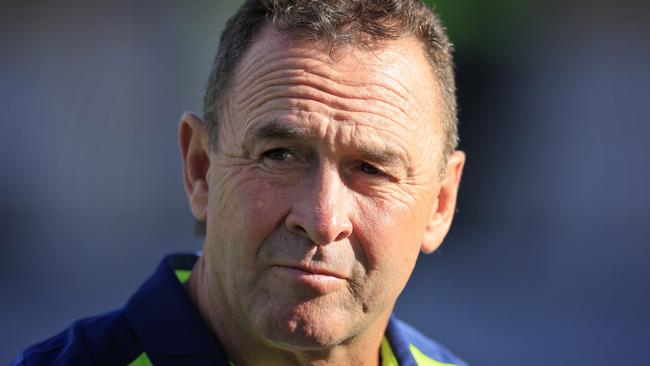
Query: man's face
[{"x": 324, "y": 188}]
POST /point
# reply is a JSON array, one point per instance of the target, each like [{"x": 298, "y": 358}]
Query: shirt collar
[{"x": 166, "y": 322}]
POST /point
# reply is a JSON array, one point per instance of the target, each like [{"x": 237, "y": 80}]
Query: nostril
[
  {"x": 342, "y": 235},
  {"x": 299, "y": 229}
]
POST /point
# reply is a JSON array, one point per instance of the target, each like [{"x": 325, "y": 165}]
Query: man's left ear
[{"x": 443, "y": 212}]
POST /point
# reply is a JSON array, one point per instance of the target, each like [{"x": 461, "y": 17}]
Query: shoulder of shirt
[
  {"x": 103, "y": 338},
  {"x": 111, "y": 338},
  {"x": 425, "y": 350}
]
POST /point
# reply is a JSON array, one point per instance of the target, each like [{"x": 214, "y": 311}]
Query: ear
[
  {"x": 445, "y": 206},
  {"x": 193, "y": 138}
]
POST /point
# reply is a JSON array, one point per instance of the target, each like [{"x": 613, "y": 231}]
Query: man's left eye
[{"x": 370, "y": 169}]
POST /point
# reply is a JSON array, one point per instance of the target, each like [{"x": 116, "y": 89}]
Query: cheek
[
  {"x": 390, "y": 248},
  {"x": 248, "y": 208},
  {"x": 266, "y": 205},
  {"x": 390, "y": 235}
]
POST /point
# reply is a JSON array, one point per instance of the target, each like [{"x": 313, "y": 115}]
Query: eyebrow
[
  {"x": 275, "y": 129},
  {"x": 384, "y": 156}
]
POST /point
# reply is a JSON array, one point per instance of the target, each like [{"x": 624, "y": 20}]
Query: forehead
[
  {"x": 390, "y": 85},
  {"x": 390, "y": 61}
]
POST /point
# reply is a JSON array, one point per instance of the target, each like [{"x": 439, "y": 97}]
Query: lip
[
  {"x": 321, "y": 280},
  {"x": 318, "y": 271}
]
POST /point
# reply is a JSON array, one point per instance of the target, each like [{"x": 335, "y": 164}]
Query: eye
[
  {"x": 280, "y": 154},
  {"x": 370, "y": 169}
]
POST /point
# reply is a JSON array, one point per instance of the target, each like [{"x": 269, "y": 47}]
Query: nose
[{"x": 321, "y": 210}]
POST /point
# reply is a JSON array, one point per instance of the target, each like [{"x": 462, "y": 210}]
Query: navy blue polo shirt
[{"x": 160, "y": 326}]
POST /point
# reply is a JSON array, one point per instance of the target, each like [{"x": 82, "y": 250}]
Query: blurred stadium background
[{"x": 548, "y": 260}]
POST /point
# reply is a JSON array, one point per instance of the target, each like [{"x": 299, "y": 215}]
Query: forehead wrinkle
[
  {"x": 361, "y": 119},
  {"x": 272, "y": 47},
  {"x": 264, "y": 66},
  {"x": 283, "y": 102},
  {"x": 278, "y": 78},
  {"x": 352, "y": 92},
  {"x": 303, "y": 69},
  {"x": 310, "y": 71},
  {"x": 253, "y": 64},
  {"x": 309, "y": 99}
]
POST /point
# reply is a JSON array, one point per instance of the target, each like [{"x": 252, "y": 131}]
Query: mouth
[
  {"x": 318, "y": 271},
  {"x": 322, "y": 280}
]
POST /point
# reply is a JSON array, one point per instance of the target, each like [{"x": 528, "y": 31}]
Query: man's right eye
[{"x": 280, "y": 154}]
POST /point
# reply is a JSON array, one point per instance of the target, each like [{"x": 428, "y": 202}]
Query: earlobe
[
  {"x": 445, "y": 204},
  {"x": 193, "y": 140}
]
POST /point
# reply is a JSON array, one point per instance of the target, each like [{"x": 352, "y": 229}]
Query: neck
[{"x": 244, "y": 348}]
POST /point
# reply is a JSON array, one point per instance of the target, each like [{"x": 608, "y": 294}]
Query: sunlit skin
[{"x": 324, "y": 188}]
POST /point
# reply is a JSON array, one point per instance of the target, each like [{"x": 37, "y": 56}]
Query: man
[{"x": 325, "y": 162}]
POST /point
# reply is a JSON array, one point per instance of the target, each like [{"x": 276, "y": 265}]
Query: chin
[{"x": 306, "y": 327}]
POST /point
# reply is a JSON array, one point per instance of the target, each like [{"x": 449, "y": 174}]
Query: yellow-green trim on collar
[
  {"x": 387, "y": 355},
  {"x": 142, "y": 360},
  {"x": 183, "y": 274},
  {"x": 423, "y": 360}
]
